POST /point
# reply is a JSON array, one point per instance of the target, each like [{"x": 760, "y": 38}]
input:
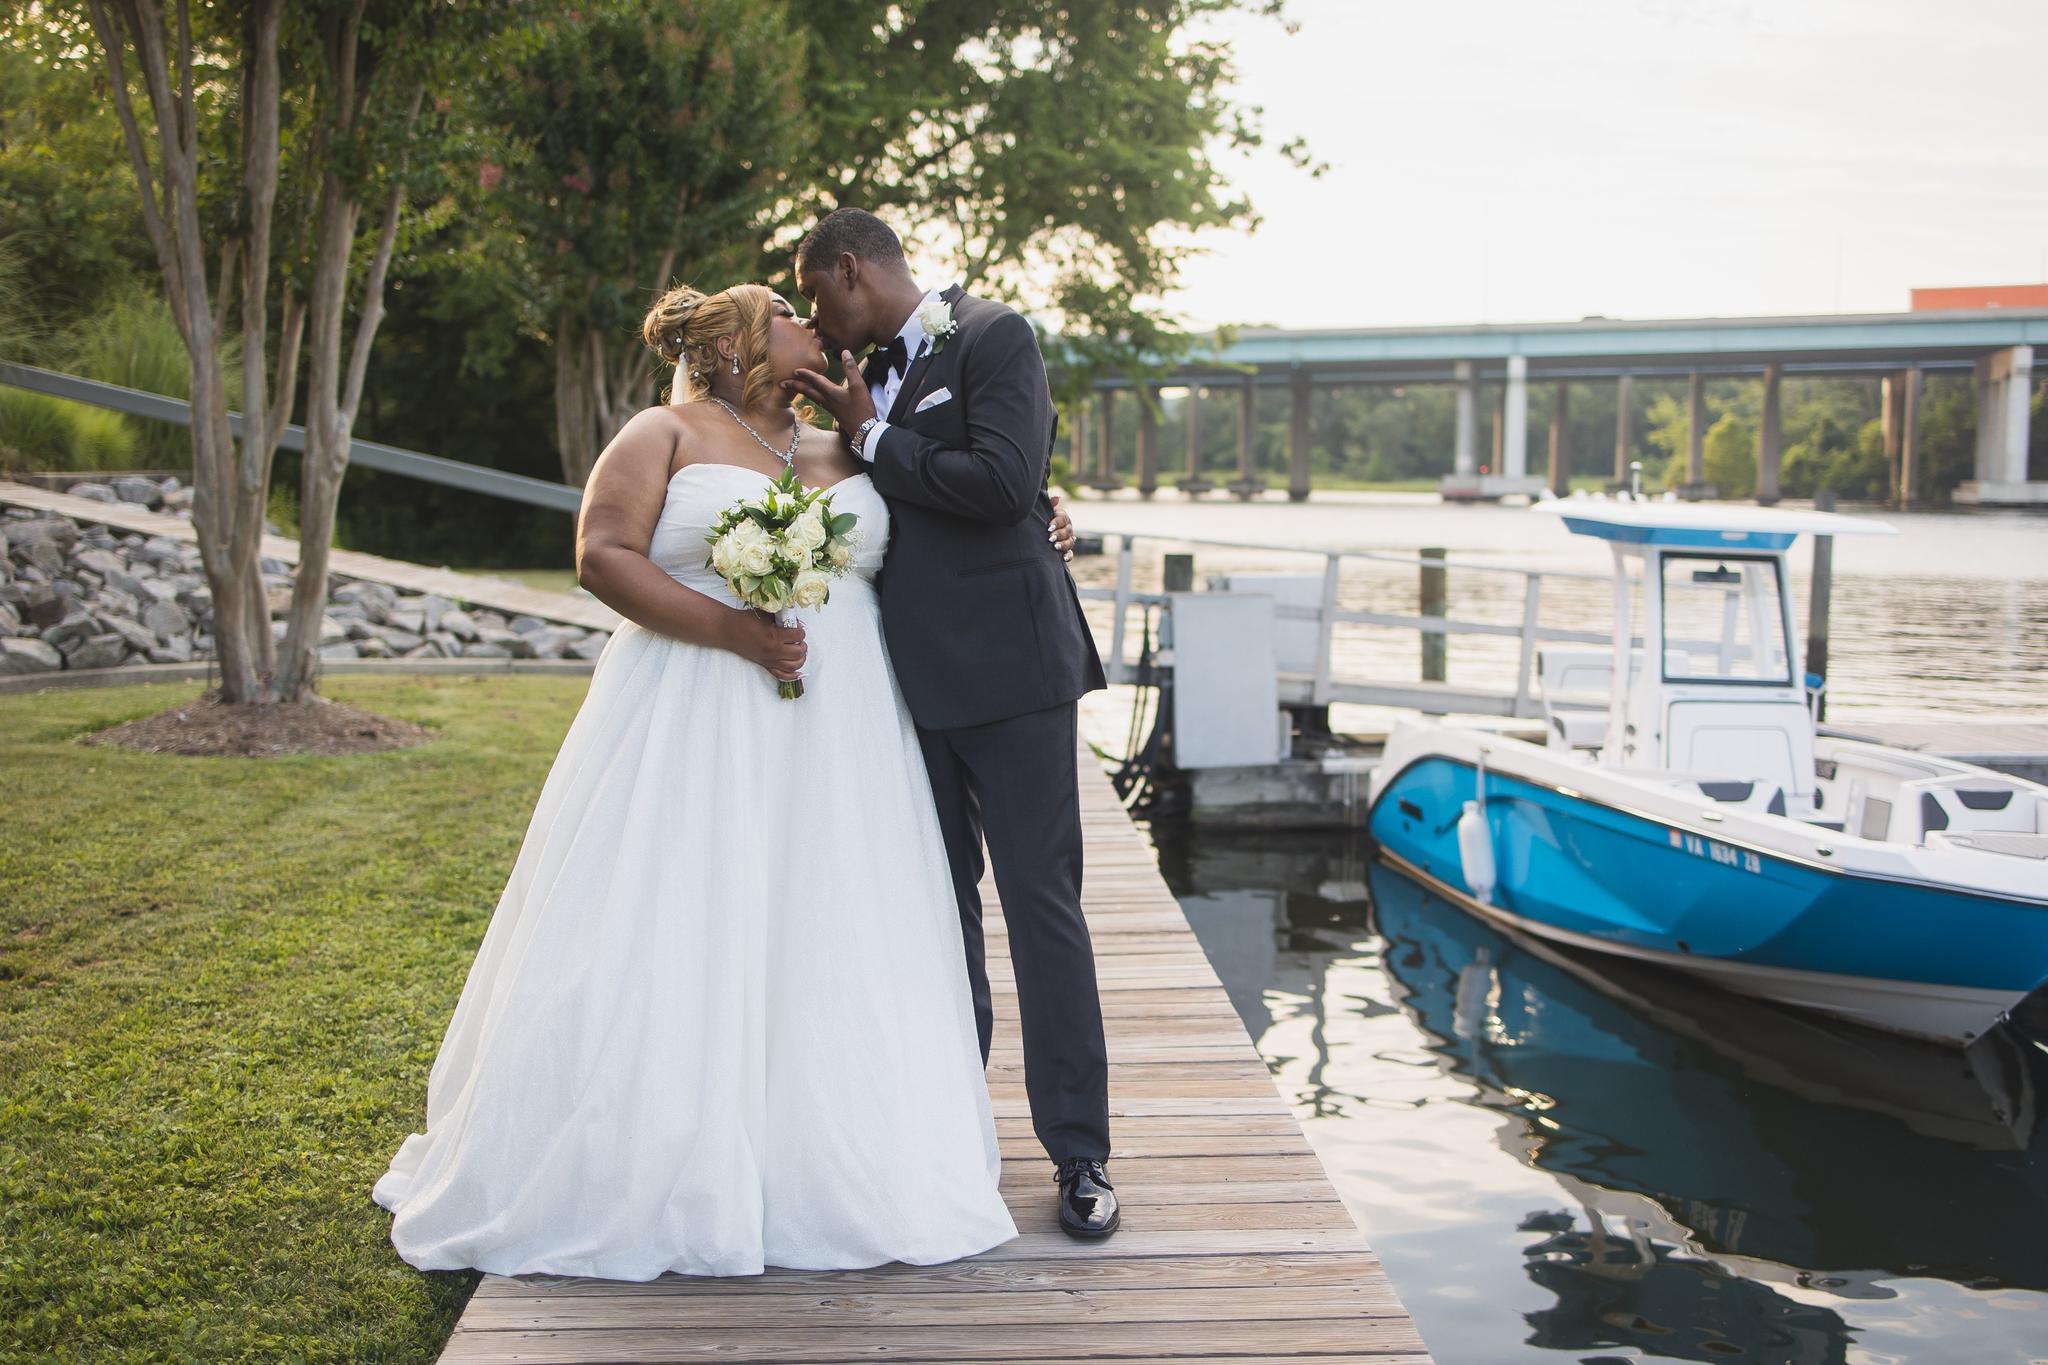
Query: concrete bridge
[{"x": 1995, "y": 345}]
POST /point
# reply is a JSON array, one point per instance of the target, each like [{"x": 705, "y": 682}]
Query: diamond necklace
[{"x": 796, "y": 432}]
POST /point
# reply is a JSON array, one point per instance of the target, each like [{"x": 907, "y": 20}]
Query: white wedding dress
[{"x": 720, "y": 1018}]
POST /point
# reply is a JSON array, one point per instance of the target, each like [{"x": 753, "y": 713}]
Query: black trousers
[{"x": 1013, "y": 782}]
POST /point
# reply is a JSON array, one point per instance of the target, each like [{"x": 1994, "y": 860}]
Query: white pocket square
[{"x": 934, "y": 398}]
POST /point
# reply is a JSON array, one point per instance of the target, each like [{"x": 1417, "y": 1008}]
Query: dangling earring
[{"x": 735, "y": 364}]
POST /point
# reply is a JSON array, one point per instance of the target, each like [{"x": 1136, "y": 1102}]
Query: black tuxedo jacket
[{"x": 978, "y": 608}]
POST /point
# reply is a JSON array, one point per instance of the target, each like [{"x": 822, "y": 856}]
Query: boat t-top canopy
[{"x": 1694, "y": 525}]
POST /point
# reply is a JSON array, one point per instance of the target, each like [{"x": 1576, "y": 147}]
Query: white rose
[
  {"x": 757, "y": 559},
  {"x": 936, "y": 318},
  {"x": 721, "y": 555},
  {"x": 811, "y": 589},
  {"x": 840, "y": 556},
  {"x": 807, "y": 532}
]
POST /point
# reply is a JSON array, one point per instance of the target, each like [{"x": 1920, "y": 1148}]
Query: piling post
[
  {"x": 1194, "y": 485},
  {"x": 1560, "y": 451},
  {"x": 1696, "y": 432},
  {"x": 1624, "y": 432},
  {"x": 1148, "y": 442},
  {"x": 1909, "y": 440},
  {"x": 1297, "y": 439},
  {"x": 1817, "y": 605},
  {"x": 1431, "y": 598}
]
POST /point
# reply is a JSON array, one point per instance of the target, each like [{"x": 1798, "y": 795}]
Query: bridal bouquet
[{"x": 781, "y": 552}]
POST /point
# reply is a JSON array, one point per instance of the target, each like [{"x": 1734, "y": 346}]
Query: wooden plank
[{"x": 1233, "y": 1246}]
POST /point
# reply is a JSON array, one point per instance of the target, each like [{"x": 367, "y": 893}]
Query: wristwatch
[{"x": 860, "y": 436}]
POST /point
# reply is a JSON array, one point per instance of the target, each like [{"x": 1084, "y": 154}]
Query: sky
[{"x": 1546, "y": 160}]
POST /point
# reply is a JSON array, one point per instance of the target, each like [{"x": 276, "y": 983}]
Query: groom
[{"x": 954, "y": 419}]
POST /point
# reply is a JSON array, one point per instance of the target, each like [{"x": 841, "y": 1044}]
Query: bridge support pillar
[
  {"x": 1515, "y": 422},
  {"x": 1560, "y": 437},
  {"x": 1465, "y": 451},
  {"x": 1105, "y": 480},
  {"x": 1249, "y": 483},
  {"x": 2005, "y": 391},
  {"x": 1890, "y": 390},
  {"x": 1297, "y": 438},
  {"x": 1193, "y": 484},
  {"x": 1695, "y": 435},
  {"x": 1909, "y": 440},
  {"x": 1624, "y": 429},
  {"x": 1148, "y": 441},
  {"x": 1770, "y": 440}
]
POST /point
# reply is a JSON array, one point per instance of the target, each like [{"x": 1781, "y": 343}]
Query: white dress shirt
[{"x": 914, "y": 344}]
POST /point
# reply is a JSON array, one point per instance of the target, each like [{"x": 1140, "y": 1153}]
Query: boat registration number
[{"x": 1721, "y": 853}]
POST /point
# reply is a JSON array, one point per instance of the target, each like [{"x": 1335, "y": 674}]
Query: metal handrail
[
  {"x": 412, "y": 464},
  {"x": 1323, "y": 687}
]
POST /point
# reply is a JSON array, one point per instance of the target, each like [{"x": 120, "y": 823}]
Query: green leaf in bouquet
[{"x": 842, "y": 524}]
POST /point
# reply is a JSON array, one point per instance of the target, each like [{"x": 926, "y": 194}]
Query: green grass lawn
[
  {"x": 222, "y": 983},
  {"x": 553, "y": 580}
]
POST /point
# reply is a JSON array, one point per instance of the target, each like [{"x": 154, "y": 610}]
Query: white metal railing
[{"x": 1323, "y": 686}]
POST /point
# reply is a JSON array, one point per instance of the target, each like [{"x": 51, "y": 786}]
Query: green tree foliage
[
  {"x": 1730, "y": 457},
  {"x": 642, "y": 140}
]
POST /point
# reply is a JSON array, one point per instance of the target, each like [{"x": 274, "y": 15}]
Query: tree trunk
[{"x": 599, "y": 385}]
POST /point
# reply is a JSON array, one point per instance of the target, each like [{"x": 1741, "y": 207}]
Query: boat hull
[{"x": 1905, "y": 956}]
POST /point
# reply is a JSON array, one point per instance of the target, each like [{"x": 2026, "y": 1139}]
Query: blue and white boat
[{"x": 1685, "y": 812}]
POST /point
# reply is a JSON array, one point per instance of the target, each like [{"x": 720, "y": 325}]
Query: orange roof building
[{"x": 1981, "y": 296}]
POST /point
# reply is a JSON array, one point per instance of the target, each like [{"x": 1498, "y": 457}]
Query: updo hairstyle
[{"x": 684, "y": 326}]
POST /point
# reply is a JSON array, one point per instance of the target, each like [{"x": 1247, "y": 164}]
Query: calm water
[
  {"x": 1565, "y": 1158},
  {"x": 1560, "y": 1158}
]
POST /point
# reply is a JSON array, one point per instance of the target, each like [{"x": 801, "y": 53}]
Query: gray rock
[
  {"x": 143, "y": 491},
  {"x": 18, "y": 655},
  {"x": 397, "y": 641},
  {"x": 45, "y": 555},
  {"x": 427, "y": 650},
  {"x": 552, "y": 642},
  {"x": 135, "y": 635},
  {"x": 178, "y": 651},
  {"x": 10, "y": 620},
  {"x": 374, "y": 648},
  {"x": 433, "y": 609},
  {"x": 526, "y": 625},
  {"x": 167, "y": 620},
  {"x": 376, "y": 600},
  {"x": 159, "y": 553},
  {"x": 332, "y": 632},
  {"x": 450, "y": 646},
  {"x": 411, "y": 622},
  {"x": 488, "y": 618},
  {"x": 123, "y": 580},
  {"x": 513, "y": 643},
  {"x": 101, "y": 651},
  {"x": 279, "y": 601},
  {"x": 591, "y": 645},
  {"x": 69, "y": 631},
  {"x": 62, "y": 530},
  {"x": 178, "y": 500},
  {"x": 268, "y": 566},
  {"x": 158, "y": 590},
  {"x": 101, "y": 562},
  {"x": 97, "y": 492},
  {"x": 484, "y": 650},
  {"x": 42, "y": 605},
  {"x": 341, "y": 649},
  {"x": 457, "y": 623},
  {"x": 114, "y": 602}
]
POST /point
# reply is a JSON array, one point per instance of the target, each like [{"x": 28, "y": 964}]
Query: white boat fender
[{"x": 1475, "y": 840}]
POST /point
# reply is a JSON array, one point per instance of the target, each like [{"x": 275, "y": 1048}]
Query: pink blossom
[{"x": 488, "y": 175}]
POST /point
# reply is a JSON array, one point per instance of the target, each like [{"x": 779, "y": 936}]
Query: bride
[{"x": 719, "y": 1017}]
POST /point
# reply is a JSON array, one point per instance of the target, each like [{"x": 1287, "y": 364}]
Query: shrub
[
  {"x": 41, "y": 432},
  {"x": 1730, "y": 457},
  {"x": 132, "y": 340}
]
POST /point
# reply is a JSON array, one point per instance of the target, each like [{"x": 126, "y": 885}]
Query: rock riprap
[{"x": 77, "y": 595}]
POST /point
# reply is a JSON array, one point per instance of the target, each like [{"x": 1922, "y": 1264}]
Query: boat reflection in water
[{"x": 1733, "y": 1178}]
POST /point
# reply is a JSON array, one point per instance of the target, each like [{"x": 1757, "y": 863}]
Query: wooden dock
[{"x": 1234, "y": 1246}]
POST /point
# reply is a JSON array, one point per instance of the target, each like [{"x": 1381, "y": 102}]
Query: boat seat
[
  {"x": 1767, "y": 797},
  {"x": 1989, "y": 841},
  {"x": 1965, "y": 803},
  {"x": 1744, "y": 739},
  {"x": 1574, "y": 685}
]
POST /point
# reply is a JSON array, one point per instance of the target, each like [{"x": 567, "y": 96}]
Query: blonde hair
[{"x": 684, "y": 326}]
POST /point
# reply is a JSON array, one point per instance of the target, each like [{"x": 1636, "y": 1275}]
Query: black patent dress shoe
[{"x": 1087, "y": 1199}]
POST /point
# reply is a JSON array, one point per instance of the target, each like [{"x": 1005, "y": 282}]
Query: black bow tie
[{"x": 883, "y": 361}]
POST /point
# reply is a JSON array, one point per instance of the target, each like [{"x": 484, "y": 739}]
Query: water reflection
[{"x": 1720, "y": 1179}]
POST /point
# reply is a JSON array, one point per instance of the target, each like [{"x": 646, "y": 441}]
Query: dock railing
[{"x": 1325, "y": 685}]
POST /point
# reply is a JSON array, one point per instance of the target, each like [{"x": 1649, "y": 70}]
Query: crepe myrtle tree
[
  {"x": 646, "y": 141},
  {"x": 276, "y": 148}
]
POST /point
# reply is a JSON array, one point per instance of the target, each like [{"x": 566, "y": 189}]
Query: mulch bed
[{"x": 210, "y": 726}]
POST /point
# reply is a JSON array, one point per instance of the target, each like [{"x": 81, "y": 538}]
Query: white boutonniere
[{"x": 936, "y": 318}]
